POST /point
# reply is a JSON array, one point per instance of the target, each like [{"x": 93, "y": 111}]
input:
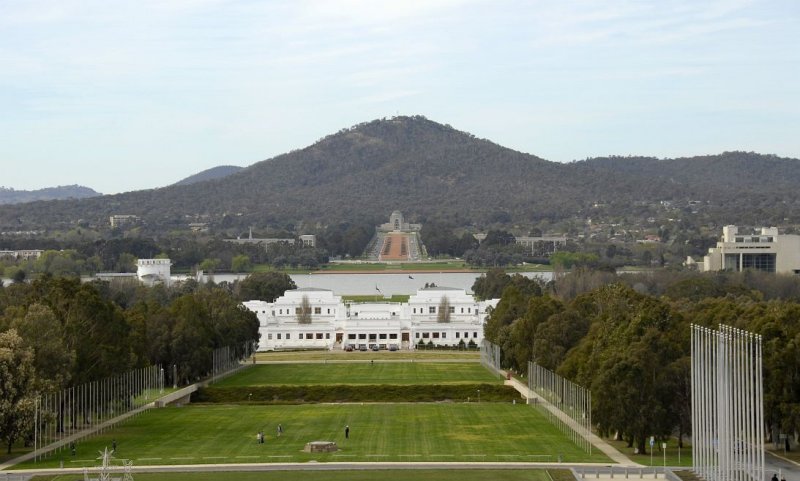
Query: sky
[{"x": 129, "y": 95}]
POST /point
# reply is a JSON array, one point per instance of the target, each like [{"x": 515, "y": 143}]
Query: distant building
[
  {"x": 123, "y": 220},
  {"x": 396, "y": 241},
  {"x": 23, "y": 255},
  {"x": 537, "y": 245},
  {"x": 308, "y": 240},
  {"x": 198, "y": 226},
  {"x": 765, "y": 251},
  {"x": 154, "y": 271},
  {"x": 398, "y": 224},
  {"x": 542, "y": 245},
  {"x": 335, "y": 324}
]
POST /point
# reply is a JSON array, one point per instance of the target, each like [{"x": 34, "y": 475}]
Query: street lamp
[
  {"x": 249, "y": 397},
  {"x": 479, "y": 396}
]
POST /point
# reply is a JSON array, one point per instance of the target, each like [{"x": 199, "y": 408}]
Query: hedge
[{"x": 355, "y": 393}]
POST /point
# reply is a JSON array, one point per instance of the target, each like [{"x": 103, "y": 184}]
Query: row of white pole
[
  {"x": 225, "y": 359},
  {"x": 727, "y": 404},
  {"x": 572, "y": 400},
  {"x": 490, "y": 355},
  {"x": 76, "y": 411}
]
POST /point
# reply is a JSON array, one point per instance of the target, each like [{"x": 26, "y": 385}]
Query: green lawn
[
  {"x": 402, "y": 373},
  {"x": 455, "y": 432},
  {"x": 674, "y": 456},
  {"x": 361, "y": 475},
  {"x": 340, "y": 355}
]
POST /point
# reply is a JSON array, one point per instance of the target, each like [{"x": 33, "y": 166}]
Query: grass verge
[{"x": 397, "y": 432}]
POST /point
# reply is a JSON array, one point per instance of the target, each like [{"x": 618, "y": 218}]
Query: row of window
[
  {"x": 299, "y": 310},
  {"x": 302, "y": 335},
  {"x": 443, "y": 335},
  {"x": 432, "y": 310},
  {"x": 372, "y": 337},
  {"x": 754, "y": 239}
]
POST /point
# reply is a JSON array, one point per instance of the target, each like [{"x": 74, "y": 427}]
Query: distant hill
[
  {"x": 213, "y": 173},
  {"x": 433, "y": 171},
  {"x": 12, "y": 196}
]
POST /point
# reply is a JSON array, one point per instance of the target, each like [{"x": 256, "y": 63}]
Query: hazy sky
[{"x": 122, "y": 96}]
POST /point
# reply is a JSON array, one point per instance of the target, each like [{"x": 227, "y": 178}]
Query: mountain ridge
[
  {"x": 431, "y": 171},
  {"x": 9, "y": 195}
]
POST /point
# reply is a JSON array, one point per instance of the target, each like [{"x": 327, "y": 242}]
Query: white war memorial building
[{"x": 312, "y": 318}]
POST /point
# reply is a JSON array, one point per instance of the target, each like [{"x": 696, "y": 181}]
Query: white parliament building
[{"x": 336, "y": 324}]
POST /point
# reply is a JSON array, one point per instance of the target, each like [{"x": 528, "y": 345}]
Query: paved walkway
[
  {"x": 586, "y": 471},
  {"x": 596, "y": 441}
]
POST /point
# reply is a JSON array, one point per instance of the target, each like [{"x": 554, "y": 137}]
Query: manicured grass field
[
  {"x": 339, "y": 355},
  {"x": 361, "y": 475},
  {"x": 455, "y": 432},
  {"x": 402, "y": 373}
]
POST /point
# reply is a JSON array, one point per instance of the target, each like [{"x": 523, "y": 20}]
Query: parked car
[
  {"x": 348, "y": 348},
  {"x": 375, "y": 347},
  {"x": 393, "y": 347},
  {"x": 362, "y": 347}
]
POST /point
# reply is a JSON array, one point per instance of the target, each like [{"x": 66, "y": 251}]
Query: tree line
[
  {"x": 57, "y": 332},
  {"x": 626, "y": 337}
]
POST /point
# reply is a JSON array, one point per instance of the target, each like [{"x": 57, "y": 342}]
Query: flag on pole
[{"x": 410, "y": 277}]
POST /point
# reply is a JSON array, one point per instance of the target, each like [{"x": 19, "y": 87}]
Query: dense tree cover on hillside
[
  {"x": 433, "y": 172},
  {"x": 627, "y": 339},
  {"x": 58, "y": 332}
]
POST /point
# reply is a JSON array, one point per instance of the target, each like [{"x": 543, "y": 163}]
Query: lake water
[{"x": 386, "y": 284}]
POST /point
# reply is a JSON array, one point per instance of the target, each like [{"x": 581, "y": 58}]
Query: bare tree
[
  {"x": 444, "y": 310},
  {"x": 304, "y": 311}
]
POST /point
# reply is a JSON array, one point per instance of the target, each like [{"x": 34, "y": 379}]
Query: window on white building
[
  {"x": 300, "y": 336},
  {"x": 329, "y": 311},
  {"x": 382, "y": 336},
  {"x": 452, "y": 309},
  {"x": 436, "y": 335},
  {"x": 425, "y": 335},
  {"x": 474, "y": 334},
  {"x": 319, "y": 335},
  {"x": 317, "y": 310},
  {"x": 269, "y": 336},
  {"x": 417, "y": 336},
  {"x": 327, "y": 335},
  {"x": 444, "y": 335},
  {"x": 458, "y": 334},
  {"x": 432, "y": 310},
  {"x": 288, "y": 336},
  {"x": 351, "y": 336},
  {"x": 392, "y": 336}
]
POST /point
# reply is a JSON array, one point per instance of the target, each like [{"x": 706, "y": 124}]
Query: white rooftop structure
[
  {"x": 765, "y": 250},
  {"x": 317, "y": 318}
]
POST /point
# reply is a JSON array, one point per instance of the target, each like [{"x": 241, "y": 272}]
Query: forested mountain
[
  {"x": 432, "y": 171},
  {"x": 210, "y": 174},
  {"x": 13, "y": 196}
]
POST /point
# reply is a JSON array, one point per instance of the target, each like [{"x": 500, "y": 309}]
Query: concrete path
[
  {"x": 588, "y": 471},
  {"x": 596, "y": 441}
]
